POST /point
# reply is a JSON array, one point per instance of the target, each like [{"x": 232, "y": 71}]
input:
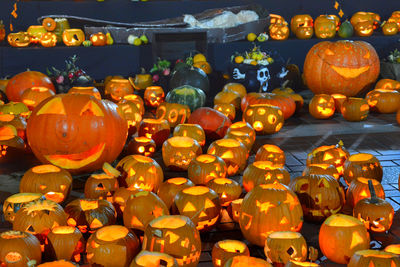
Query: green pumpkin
[
  {"x": 187, "y": 95},
  {"x": 190, "y": 76},
  {"x": 346, "y": 30},
  {"x": 13, "y": 108}
]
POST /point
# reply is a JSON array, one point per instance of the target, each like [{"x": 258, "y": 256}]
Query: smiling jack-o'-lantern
[
  {"x": 390, "y": 28},
  {"x": 19, "y": 39},
  {"x": 48, "y": 39},
  {"x": 343, "y": 67},
  {"x": 322, "y": 106},
  {"x": 335, "y": 155},
  {"x": 281, "y": 247},
  {"x": 73, "y": 37},
  {"x": 279, "y": 32},
  {"x": 117, "y": 88},
  {"x": 71, "y": 124}
]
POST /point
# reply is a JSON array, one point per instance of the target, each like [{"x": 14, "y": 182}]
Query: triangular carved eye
[
  {"x": 30, "y": 229},
  {"x": 91, "y": 108},
  {"x": 54, "y": 106}
]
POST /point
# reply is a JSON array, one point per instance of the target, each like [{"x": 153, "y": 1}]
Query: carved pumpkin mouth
[
  {"x": 349, "y": 73},
  {"x": 77, "y": 160}
]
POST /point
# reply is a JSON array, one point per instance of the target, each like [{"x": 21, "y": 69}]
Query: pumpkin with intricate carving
[
  {"x": 225, "y": 249},
  {"x": 262, "y": 172},
  {"x": 362, "y": 165}
]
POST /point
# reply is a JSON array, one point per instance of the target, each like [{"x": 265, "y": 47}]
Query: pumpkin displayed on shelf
[
  {"x": 342, "y": 67},
  {"x": 389, "y": 28},
  {"x": 131, "y": 114},
  {"x": 98, "y": 39},
  {"x": 241, "y": 260},
  {"x": 71, "y": 122},
  {"x": 179, "y": 151},
  {"x": 364, "y": 28},
  {"x": 140, "y": 172},
  {"x": 242, "y": 137},
  {"x": 48, "y": 39},
  {"x": 269, "y": 208},
  {"x": 226, "y": 109},
  {"x": 112, "y": 246},
  {"x": 325, "y": 27},
  {"x": 192, "y": 76},
  {"x": 335, "y": 155},
  {"x": 272, "y": 154},
  {"x": 281, "y": 247},
  {"x": 154, "y": 96},
  {"x": 376, "y": 213},
  {"x": 85, "y": 90},
  {"x": 19, "y": 39},
  {"x": 298, "y": 21},
  {"x": 191, "y": 130},
  {"x": 15, "y": 202},
  {"x": 206, "y": 167},
  {"x": 362, "y": 165},
  {"x": 321, "y": 168},
  {"x": 156, "y": 129},
  {"x": 227, "y": 190},
  {"x": 141, "y": 208},
  {"x": 117, "y": 88},
  {"x": 304, "y": 33},
  {"x": 142, "y": 145},
  {"x": 90, "y": 214},
  {"x": 262, "y": 172},
  {"x": 73, "y": 37},
  {"x": 322, "y": 106},
  {"x": 174, "y": 113},
  {"x": 370, "y": 257},
  {"x": 358, "y": 189},
  {"x": 188, "y": 95},
  {"x": 19, "y": 249},
  {"x": 265, "y": 118},
  {"x": 225, "y": 249},
  {"x": 147, "y": 258},
  {"x": 51, "y": 181},
  {"x": 383, "y": 100},
  {"x": 168, "y": 190},
  {"x": 279, "y": 32},
  {"x": 341, "y": 236},
  {"x": 174, "y": 235},
  {"x": 101, "y": 186},
  {"x": 245, "y": 127},
  {"x": 33, "y": 96},
  {"x": 355, "y": 109},
  {"x": 320, "y": 196}
]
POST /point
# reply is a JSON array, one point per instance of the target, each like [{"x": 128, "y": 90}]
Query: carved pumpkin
[
  {"x": 73, "y": 37},
  {"x": 48, "y": 39},
  {"x": 390, "y": 28},
  {"x": 320, "y": 196},
  {"x": 274, "y": 18},
  {"x": 335, "y": 155},
  {"x": 101, "y": 186},
  {"x": 339, "y": 99},
  {"x": 17, "y": 121},
  {"x": 12, "y": 147},
  {"x": 236, "y": 87},
  {"x": 174, "y": 235},
  {"x": 279, "y": 32},
  {"x": 269, "y": 208},
  {"x": 15, "y": 202},
  {"x": 141, "y": 81},
  {"x": 242, "y": 137},
  {"x": 226, "y": 109},
  {"x": 112, "y": 246},
  {"x": 364, "y": 28},
  {"x": 206, "y": 167},
  {"x": 373, "y": 258},
  {"x": 33, "y": 96},
  {"x": 90, "y": 214},
  {"x": 156, "y": 129},
  {"x": 272, "y": 154},
  {"x": 98, "y": 39},
  {"x": 376, "y": 213},
  {"x": 362, "y": 165},
  {"x": 174, "y": 113},
  {"x": 243, "y": 261},
  {"x": 293, "y": 263},
  {"x": 358, "y": 189},
  {"x": 117, "y": 88},
  {"x": 24, "y": 80},
  {"x": 131, "y": 114},
  {"x": 179, "y": 151},
  {"x": 141, "y": 208},
  {"x": 60, "y": 263},
  {"x": 71, "y": 122},
  {"x": 384, "y": 100},
  {"x": 154, "y": 96},
  {"x": 147, "y": 258},
  {"x": 265, "y": 118},
  {"x": 142, "y": 145},
  {"x": 140, "y": 172},
  {"x": 188, "y": 95},
  {"x": 19, "y": 39},
  {"x": 51, "y": 181},
  {"x": 242, "y": 126},
  {"x": 362, "y": 16},
  {"x": 19, "y": 248},
  {"x": 321, "y": 168},
  {"x": 137, "y": 100},
  {"x": 85, "y": 90},
  {"x": 262, "y": 172},
  {"x": 171, "y": 187},
  {"x": 64, "y": 242},
  {"x": 325, "y": 27},
  {"x": 304, "y": 33},
  {"x": 322, "y": 106},
  {"x": 281, "y": 247},
  {"x": 355, "y": 109},
  {"x": 120, "y": 198},
  {"x": 232, "y": 152},
  {"x": 225, "y": 249},
  {"x": 228, "y": 97},
  {"x": 388, "y": 84},
  {"x": 191, "y": 130},
  {"x": 342, "y": 67},
  {"x": 227, "y": 190},
  {"x": 300, "y": 21}
]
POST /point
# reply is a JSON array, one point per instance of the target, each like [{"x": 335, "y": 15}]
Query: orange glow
[
  {"x": 356, "y": 240},
  {"x": 222, "y": 181},
  {"x": 45, "y": 169},
  {"x": 112, "y": 233},
  {"x": 71, "y": 222},
  {"x": 63, "y": 230},
  {"x": 361, "y": 157},
  {"x": 96, "y": 224},
  {"x": 339, "y": 220},
  {"x": 285, "y": 235},
  {"x": 365, "y": 181},
  {"x": 338, "y": 96},
  {"x": 89, "y": 204},
  {"x": 55, "y": 196},
  {"x": 169, "y": 222},
  {"x": 177, "y": 181},
  {"x": 13, "y": 257},
  {"x": 258, "y": 126},
  {"x": 189, "y": 207},
  {"x": 12, "y": 235},
  {"x": 196, "y": 190},
  {"x": 143, "y": 159},
  {"x": 181, "y": 141},
  {"x": 305, "y": 264},
  {"x": 233, "y": 246},
  {"x": 394, "y": 248}
]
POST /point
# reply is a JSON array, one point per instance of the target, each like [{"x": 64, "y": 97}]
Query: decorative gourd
[
  {"x": 335, "y": 155},
  {"x": 171, "y": 187},
  {"x": 265, "y": 118},
  {"x": 384, "y": 100},
  {"x": 187, "y": 95},
  {"x": 195, "y": 77},
  {"x": 227, "y": 190},
  {"x": 85, "y": 90},
  {"x": 272, "y": 154},
  {"x": 358, "y": 189},
  {"x": 156, "y": 129},
  {"x": 322, "y": 106},
  {"x": 262, "y": 172},
  {"x": 154, "y": 96},
  {"x": 15, "y": 202},
  {"x": 225, "y": 249},
  {"x": 191, "y": 130},
  {"x": 321, "y": 168},
  {"x": 147, "y": 258},
  {"x": 179, "y": 151},
  {"x": 342, "y": 67},
  {"x": 213, "y": 122},
  {"x": 142, "y": 145},
  {"x": 174, "y": 113},
  {"x": 281, "y": 247},
  {"x": 101, "y": 186},
  {"x": 206, "y": 167},
  {"x": 355, "y": 109},
  {"x": 362, "y": 165},
  {"x": 32, "y": 97}
]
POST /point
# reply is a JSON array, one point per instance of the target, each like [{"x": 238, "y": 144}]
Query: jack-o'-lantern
[
  {"x": 262, "y": 172},
  {"x": 137, "y": 100},
  {"x": 395, "y": 19},
  {"x": 73, "y": 37},
  {"x": 384, "y": 100},
  {"x": 131, "y": 114},
  {"x": 293, "y": 263},
  {"x": 388, "y": 84},
  {"x": 141, "y": 208},
  {"x": 234, "y": 209},
  {"x": 364, "y": 28},
  {"x": 321, "y": 168},
  {"x": 335, "y": 155},
  {"x": 19, "y": 249},
  {"x": 15, "y": 202},
  {"x": 228, "y": 97},
  {"x": 117, "y": 88},
  {"x": 64, "y": 242},
  {"x": 245, "y": 127},
  {"x": 174, "y": 235},
  {"x": 112, "y": 246},
  {"x": 320, "y": 196},
  {"x": 269, "y": 208},
  {"x": 142, "y": 145},
  {"x": 301, "y": 21},
  {"x": 171, "y": 187},
  {"x": 242, "y": 137},
  {"x": 325, "y": 27},
  {"x": 376, "y": 213},
  {"x": 225, "y": 249},
  {"x": 85, "y": 90},
  {"x": 71, "y": 122},
  {"x": 19, "y": 39},
  {"x": 179, "y": 151},
  {"x": 174, "y": 113},
  {"x": 341, "y": 236},
  {"x": 390, "y": 28},
  {"x": 274, "y": 18},
  {"x": 90, "y": 214},
  {"x": 342, "y": 67},
  {"x": 120, "y": 198},
  {"x": 232, "y": 152},
  {"x": 51, "y": 181},
  {"x": 201, "y": 204},
  {"x": 191, "y": 130},
  {"x": 33, "y": 96},
  {"x": 304, "y": 33},
  {"x": 156, "y": 129},
  {"x": 98, "y": 39},
  {"x": 12, "y": 147},
  {"x": 142, "y": 80},
  {"x": 322, "y": 106},
  {"x": 36, "y": 32},
  {"x": 206, "y": 167},
  {"x": 147, "y": 258},
  {"x": 17, "y": 121},
  {"x": 362, "y": 165},
  {"x": 372, "y": 258},
  {"x": 101, "y": 186},
  {"x": 140, "y": 172},
  {"x": 227, "y": 190},
  {"x": 226, "y": 109},
  {"x": 355, "y": 109},
  {"x": 48, "y": 39},
  {"x": 242, "y": 261},
  {"x": 393, "y": 248},
  {"x": 59, "y": 263},
  {"x": 154, "y": 96},
  {"x": 339, "y": 99},
  {"x": 265, "y": 118},
  {"x": 271, "y": 153},
  {"x": 279, "y": 32},
  {"x": 281, "y": 247},
  {"x": 358, "y": 189}
]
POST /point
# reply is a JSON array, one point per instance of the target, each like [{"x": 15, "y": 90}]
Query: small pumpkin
[
  {"x": 362, "y": 165},
  {"x": 358, "y": 189},
  {"x": 179, "y": 151},
  {"x": 141, "y": 81},
  {"x": 388, "y": 84},
  {"x": 101, "y": 186},
  {"x": 131, "y": 114},
  {"x": 48, "y": 39},
  {"x": 322, "y": 106},
  {"x": 244, "y": 127},
  {"x": 142, "y": 145},
  {"x": 242, "y": 137},
  {"x": 281, "y": 247},
  {"x": 36, "y": 32},
  {"x": 15, "y": 202},
  {"x": 168, "y": 190},
  {"x": 355, "y": 109},
  {"x": 227, "y": 109},
  {"x": 98, "y": 39},
  {"x": 335, "y": 155},
  {"x": 19, "y": 39},
  {"x": 325, "y": 27},
  {"x": 190, "y": 76},
  {"x": 73, "y": 37},
  {"x": 299, "y": 21},
  {"x": 33, "y": 96},
  {"x": 390, "y": 28},
  {"x": 225, "y": 249},
  {"x": 187, "y": 95},
  {"x": 154, "y": 96},
  {"x": 279, "y": 32},
  {"x": 235, "y": 87},
  {"x": 117, "y": 88},
  {"x": 206, "y": 167},
  {"x": 384, "y": 100},
  {"x": 137, "y": 100}
]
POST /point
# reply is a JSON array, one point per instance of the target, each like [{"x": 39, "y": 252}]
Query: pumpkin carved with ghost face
[{"x": 81, "y": 132}]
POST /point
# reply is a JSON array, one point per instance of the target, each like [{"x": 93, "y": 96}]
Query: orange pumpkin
[
  {"x": 98, "y": 39},
  {"x": 225, "y": 249},
  {"x": 355, "y": 109},
  {"x": 384, "y": 100},
  {"x": 171, "y": 187},
  {"x": 388, "y": 84},
  {"x": 322, "y": 106},
  {"x": 33, "y": 96},
  {"x": 358, "y": 189}
]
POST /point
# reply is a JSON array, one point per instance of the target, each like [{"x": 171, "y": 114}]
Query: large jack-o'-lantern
[
  {"x": 342, "y": 67},
  {"x": 81, "y": 132}
]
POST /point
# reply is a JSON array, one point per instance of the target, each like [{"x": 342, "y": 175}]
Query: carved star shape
[{"x": 157, "y": 212}]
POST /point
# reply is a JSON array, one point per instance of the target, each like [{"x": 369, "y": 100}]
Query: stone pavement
[{"x": 378, "y": 135}]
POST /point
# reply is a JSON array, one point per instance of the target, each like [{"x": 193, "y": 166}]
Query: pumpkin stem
[{"x": 371, "y": 188}]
